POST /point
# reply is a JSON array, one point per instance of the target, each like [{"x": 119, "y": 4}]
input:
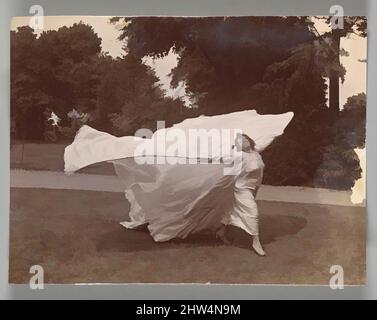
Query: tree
[
  {"x": 331, "y": 43},
  {"x": 57, "y": 70},
  {"x": 70, "y": 73},
  {"x": 27, "y": 97},
  {"x": 340, "y": 164},
  {"x": 130, "y": 98},
  {"x": 218, "y": 60}
]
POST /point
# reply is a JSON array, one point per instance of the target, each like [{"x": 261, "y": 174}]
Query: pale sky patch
[{"x": 162, "y": 67}]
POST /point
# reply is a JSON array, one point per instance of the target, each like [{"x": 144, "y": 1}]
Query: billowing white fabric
[
  {"x": 178, "y": 199},
  {"x": 175, "y": 200},
  {"x": 92, "y": 146}
]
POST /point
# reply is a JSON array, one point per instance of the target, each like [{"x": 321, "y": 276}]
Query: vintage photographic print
[{"x": 211, "y": 150}]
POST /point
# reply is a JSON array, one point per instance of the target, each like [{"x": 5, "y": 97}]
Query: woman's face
[{"x": 242, "y": 143}]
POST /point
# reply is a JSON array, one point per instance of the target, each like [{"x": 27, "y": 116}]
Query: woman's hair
[{"x": 251, "y": 141}]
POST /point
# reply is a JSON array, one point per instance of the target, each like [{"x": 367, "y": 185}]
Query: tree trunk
[{"x": 334, "y": 76}]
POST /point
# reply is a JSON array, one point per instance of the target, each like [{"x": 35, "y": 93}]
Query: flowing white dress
[
  {"x": 243, "y": 212},
  {"x": 178, "y": 199}
]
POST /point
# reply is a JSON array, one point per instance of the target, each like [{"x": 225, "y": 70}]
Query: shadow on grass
[{"x": 271, "y": 228}]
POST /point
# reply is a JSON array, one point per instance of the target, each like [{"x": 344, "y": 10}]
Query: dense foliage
[{"x": 271, "y": 64}]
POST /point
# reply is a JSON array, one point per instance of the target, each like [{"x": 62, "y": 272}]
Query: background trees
[
  {"x": 271, "y": 64},
  {"x": 27, "y": 98},
  {"x": 220, "y": 60},
  {"x": 130, "y": 98},
  {"x": 56, "y": 71},
  {"x": 64, "y": 70},
  {"x": 351, "y": 25}
]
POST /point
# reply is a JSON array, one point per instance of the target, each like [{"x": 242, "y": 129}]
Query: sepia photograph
[{"x": 188, "y": 150}]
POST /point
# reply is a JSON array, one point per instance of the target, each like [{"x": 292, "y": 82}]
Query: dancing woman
[
  {"x": 176, "y": 200},
  {"x": 243, "y": 212}
]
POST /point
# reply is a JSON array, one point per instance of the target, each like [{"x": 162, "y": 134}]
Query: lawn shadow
[{"x": 272, "y": 227}]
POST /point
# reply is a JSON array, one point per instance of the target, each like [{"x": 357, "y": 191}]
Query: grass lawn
[
  {"x": 76, "y": 237},
  {"x": 48, "y": 156}
]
